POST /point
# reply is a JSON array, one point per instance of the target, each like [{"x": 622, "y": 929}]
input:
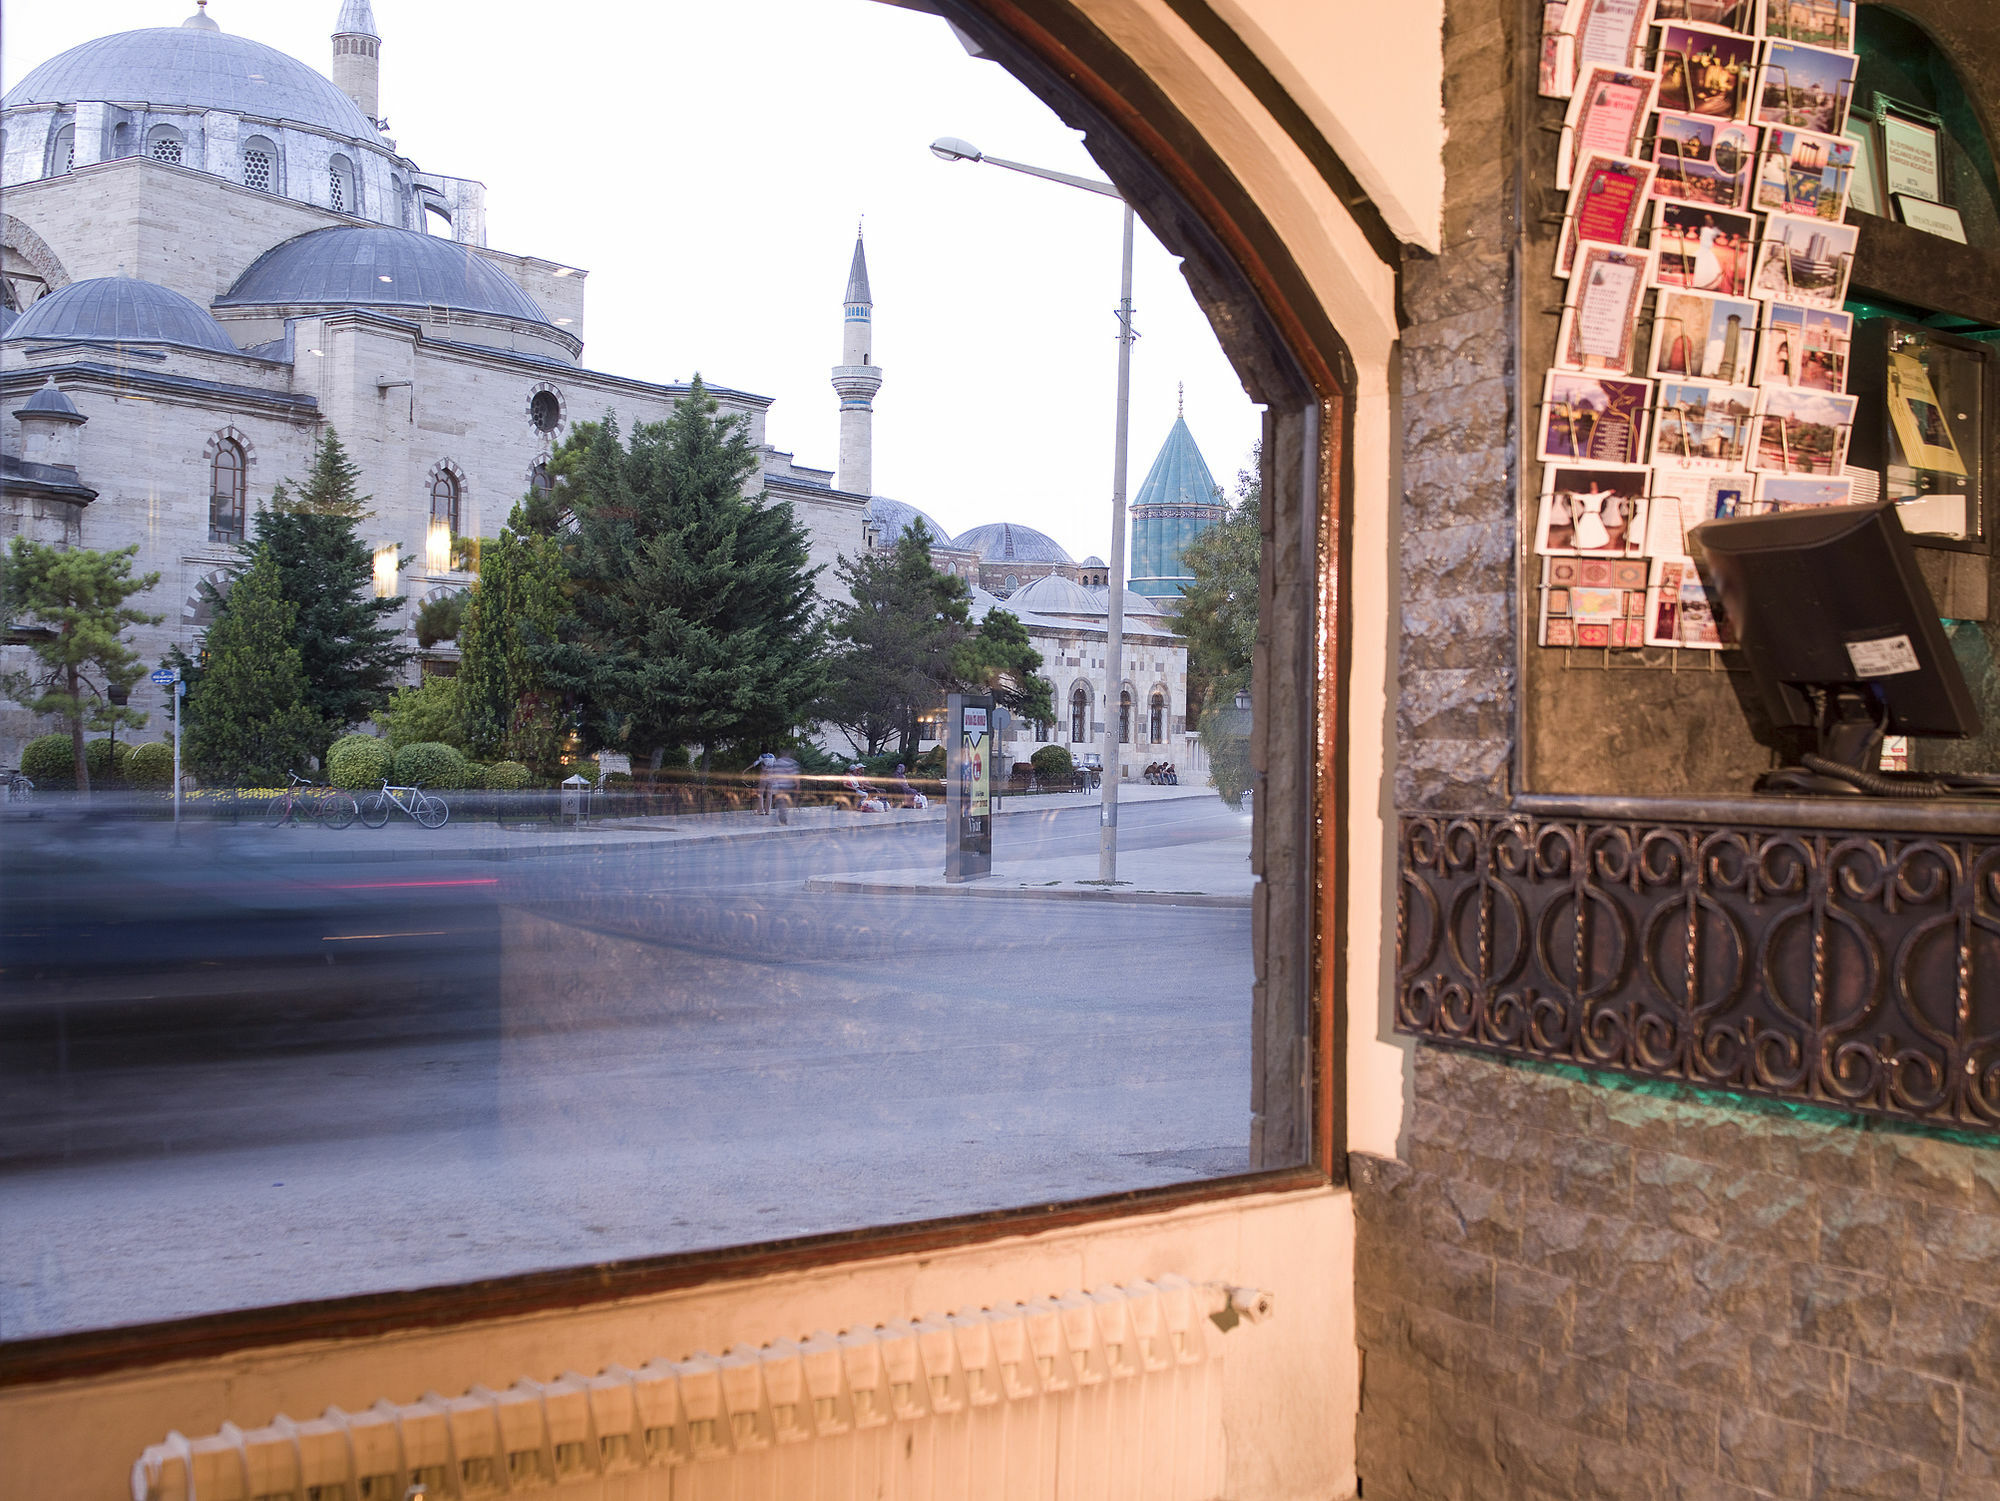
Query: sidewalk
[{"x": 403, "y": 840}]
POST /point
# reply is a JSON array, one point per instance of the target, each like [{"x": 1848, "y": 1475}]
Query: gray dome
[
  {"x": 892, "y": 518},
  {"x": 166, "y": 66},
  {"x": 375, "y": 267},
  {"x": 980, "y": 601},
  {"x": 1056, "y": 595},
  {"x": 1093, "y": 561},
  {"x": 1010, "y": 542},
  {"x": 1135, "y": 603},
  {"x": 119, "y": 309},
  {"x": 49, "y": 401}
]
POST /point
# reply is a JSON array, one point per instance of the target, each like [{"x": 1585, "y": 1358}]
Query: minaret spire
[
  {"x": 357, "y": 57},
  {"x": 855, "y": 380}
]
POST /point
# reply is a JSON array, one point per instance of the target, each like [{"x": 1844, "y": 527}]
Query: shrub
[
  {"x": 507, "y": 776},
  {"x": 431, "y": 764},
  {"x": 1052, "y": 763},
  {"x": 49, "y": 762},
  {"x": 106, "y": 759},
  {"x": 428, "y": 714},
  {"x": 151, "y": 765},
  {"x": 358, "y": 761},
  {"x": 475, "y": 776}
]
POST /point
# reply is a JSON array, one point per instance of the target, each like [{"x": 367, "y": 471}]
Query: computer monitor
[{"x": 1841, "y": 635}]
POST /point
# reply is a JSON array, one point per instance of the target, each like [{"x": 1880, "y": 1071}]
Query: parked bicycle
[
  {"x": 19, "y": 788},
  {"x": 305, "y": 799},
  {"x": 424, "y": 807}
]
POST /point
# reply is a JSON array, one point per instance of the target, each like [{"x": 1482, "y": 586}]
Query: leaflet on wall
[
  {"x": 1932, "y": 218},
  {"x": 1594, "y": 511},
  {"x": 1606, "y": 204},
  {"x": 1805, "y": 347},
  {"x": 1817, "y": 23},
  {"x": 1600, "y": 321},
  {"x": 1679, "y": 608},
  {"x": 1683, "y": 499},
  {"x": 1803, "y": 432},
  {"x": 1919, "y": 419},
  {"x": 1598, "y": 418},
  {"x": 1607, "y": 31},
  {"x": 1805, "y": 174},
  {"x": 1805, "y": 261},
  {"x": 1593, "y": 602},
  {"x": 1701, "y": 160},
  {"x": 1704, "y": 337},
  {"x": 1703, "y": 249},
  {"x": 1702, "y": 427},
  {"x": 1789, "y": 492},
  {"x": 1607, "y": 113},
  {"x": 1806, "y": 88},
  {"x": 1706, "y": 72}
]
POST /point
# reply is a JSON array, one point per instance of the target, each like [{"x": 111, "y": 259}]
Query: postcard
[
  {"x": 1606, "y": 204},
  {"x": 1703, "y": 161},
  {"x": 1704, "y": 337},
  {"x": 1808, "y": 88},
  {"x": 1697, "y": 426},
  {"x": 1600, "y": 322},
  {"x": 1931, "y": 218},
  {"x": 1739, "y": 16},
  {"x": 1910, "y": 155},
  {"x": 1806, "y": 261},
  {"x": 1607, "y": 113},
  {"x": 1805, "y": 174},
  {"x": 1703, "y": 249},
  {"x": 1705, "y": 72},
  {"x": 1918, "y": 416},
  {"x": 1595, "y": 511},
  {"x": 1598, "y": 418},
  {"x": 1805, "y": 346},
  {"x": 1803, "y": 432},
  {"x": 1684, "y": 498},
  {"x": 1817, "y": 23},
  {"x": 1593, "y": 601},
  {"x": 1607, "y": 31},
  {"x": 1679, "y": 609},
  {"x": 1783, "y": 492}
]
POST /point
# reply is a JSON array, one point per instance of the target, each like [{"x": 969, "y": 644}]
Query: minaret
[
  {"x": 855, "y": 381},
  {"x": 357, "y": 57}
]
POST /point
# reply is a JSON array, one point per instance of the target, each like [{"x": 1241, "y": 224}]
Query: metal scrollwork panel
[{"x": 1860, "y": 971}]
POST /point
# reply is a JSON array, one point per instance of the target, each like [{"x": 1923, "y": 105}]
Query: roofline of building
[
  {"x": 277, "y": 122},
  {"x": 120, "y": 379}
]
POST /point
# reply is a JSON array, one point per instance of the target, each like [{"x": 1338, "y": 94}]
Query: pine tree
[
  {"x": 510, "y": 711},
  {"x": 1001, "y": 660},
  {"x": 692, "y": 615},
  {"x": 895, "y": 639},
  {"x": 76, "y": 597},
  {"x": 250, "y": 718},
  {"x": 1218, "y": 610}
]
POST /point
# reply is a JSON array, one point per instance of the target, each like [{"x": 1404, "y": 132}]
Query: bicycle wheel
[
  {"x": 277, "y": 811},
  {"x": 375, "y": 809},
  {"x": 430, "y": 811},
  {"x": 337, "y": 810}
]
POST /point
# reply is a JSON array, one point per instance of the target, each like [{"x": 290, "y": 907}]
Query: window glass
[{"x": 648, "y": 947}]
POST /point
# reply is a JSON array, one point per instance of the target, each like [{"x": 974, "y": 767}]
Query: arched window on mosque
[
  {"x": 1125, "y": 719},
  {"x": 444, "y": 499},
  {"x": 340, "y": 193},
  {"x": 121, "y": 142},
  {"x": 260, "y": 164},
  {"x": 164, "y": 144},
  {"x": 228, "y": 485},
  {"x": 62, "y": 155},
  {"x": 1158, "y": 726},
  {"x": 540, "y": 481},
  {"x": 1079, "y": 716},
  {"x": 1010, "y": 583}
]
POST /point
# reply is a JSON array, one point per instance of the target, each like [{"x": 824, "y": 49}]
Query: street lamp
[{"x": 952, "y": 149}]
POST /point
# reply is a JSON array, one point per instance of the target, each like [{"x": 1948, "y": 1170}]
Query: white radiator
[{"x": 1089, "y": 1396}]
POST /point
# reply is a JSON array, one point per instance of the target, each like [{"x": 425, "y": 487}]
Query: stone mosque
[{"x": 210, "y": 252}]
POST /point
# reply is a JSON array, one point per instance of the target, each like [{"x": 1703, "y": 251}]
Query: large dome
[
  {"x": 370, "y": 267},
  {"x": 169, "y": 66},
  {"x": 1010, "y": 542},
  {"x": 893, "y": 517},
  {"x": 121, "y": 310}
]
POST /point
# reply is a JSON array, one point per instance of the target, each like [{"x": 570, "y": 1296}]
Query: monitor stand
[{"x": 1852, "y": 724}]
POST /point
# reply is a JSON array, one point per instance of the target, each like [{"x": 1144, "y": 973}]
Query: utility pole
[{"x": 1114, "y": 628}]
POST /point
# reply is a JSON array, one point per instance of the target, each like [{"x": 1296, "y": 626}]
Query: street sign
[{"x": 165, "y": 675}]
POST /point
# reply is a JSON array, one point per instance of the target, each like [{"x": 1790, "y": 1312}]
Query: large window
[
  {"x": 444, "y": 500},
  {"x": 1079, "y": 714},
  {"x": 227, "y": 488}
]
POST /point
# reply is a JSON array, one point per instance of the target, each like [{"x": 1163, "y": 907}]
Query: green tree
[
  {"x": 692, "y": 614},
  {"x": 441, "y": 619},
  {"x": 250, "y": 719},
  {"x": 351, "y": 657},
  {"x": 1000, "y": 659},
  {"x": 1218, "y": 618},
  {"x": 431, "y": 712},
  {"x": 896, "y": 637},
  {"x": 514, "y": 611},
  {"x": 70, "y": 603}
]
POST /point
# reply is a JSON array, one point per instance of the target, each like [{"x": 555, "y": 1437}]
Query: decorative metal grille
[
  {"x": 257, "y": 170},
  {"x": 1855, "y": 969},
  {"x": 167, "y": 149}
]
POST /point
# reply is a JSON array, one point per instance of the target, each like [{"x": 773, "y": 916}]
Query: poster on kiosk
[{"x": 968, "y": 821}]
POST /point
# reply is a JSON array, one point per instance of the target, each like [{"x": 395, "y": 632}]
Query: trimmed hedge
[
  {"x": 431, "y": 764},
  {"x": 359, "y": 761},
  {"x": 151, "y": 765},
  {"x": 507, "y": 776},
  {"x": 106, "y": 759},
  {"x": 1052, "y": 761},
  {"x": 50, "y": 762}
]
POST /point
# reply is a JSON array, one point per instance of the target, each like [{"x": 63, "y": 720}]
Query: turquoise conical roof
[{"x": 1179, "y": 476}]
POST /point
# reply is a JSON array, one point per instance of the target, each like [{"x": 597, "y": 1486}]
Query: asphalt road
[{"x": 229, "y": 1079}]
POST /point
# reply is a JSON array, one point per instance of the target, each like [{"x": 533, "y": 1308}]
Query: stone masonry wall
[{"x": 1570, "y": 1291}]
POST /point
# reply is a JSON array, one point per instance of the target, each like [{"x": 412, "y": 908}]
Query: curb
[{"x": 830, "y": 884}]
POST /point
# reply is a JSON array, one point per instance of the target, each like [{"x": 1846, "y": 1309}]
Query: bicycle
[
  {"x": 427, "y": 810},
  {"x": 328, "y": 805},
  {"x": 19, "y": 788}
]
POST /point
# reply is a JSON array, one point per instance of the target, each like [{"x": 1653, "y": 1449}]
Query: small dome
[
  {"x": 1056, "y": 595},
  {"x": 201, "y": 20},
  {"x": 352, "y": 266},
  {"x": 1010, "y": 542},
  {"x": 892, "y": 518},
  {"x": 49, "y": 401},
  {"x": 196, "y": 65},
  {"x": 121, "y": 310},
  {"x": 1093, "y": 561},
  {"x": 981, "y": 601}
]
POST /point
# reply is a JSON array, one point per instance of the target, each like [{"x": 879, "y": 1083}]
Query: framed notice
[
  {"x": 1932, "y": 218},
  {"x": 1600, "y": 320},
  {"x": 1919, "y": 418},
  {"x": 1865, "y": 190},
  {"x": 1910, "y": 138},
  {"x": 1607, "y": 113}
]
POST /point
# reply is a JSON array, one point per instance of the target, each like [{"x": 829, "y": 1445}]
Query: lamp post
[{"x": 952, "y": 149}]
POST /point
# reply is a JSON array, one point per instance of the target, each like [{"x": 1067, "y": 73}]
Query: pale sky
[{"x": 707, "y": 165}]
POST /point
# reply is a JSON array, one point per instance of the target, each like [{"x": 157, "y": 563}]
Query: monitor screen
[{"x": 1830, "y": 597}]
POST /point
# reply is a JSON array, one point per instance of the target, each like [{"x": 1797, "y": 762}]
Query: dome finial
[
  {"x": 1180, "y": 398},
  {"x": 200, "y": 20}
]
